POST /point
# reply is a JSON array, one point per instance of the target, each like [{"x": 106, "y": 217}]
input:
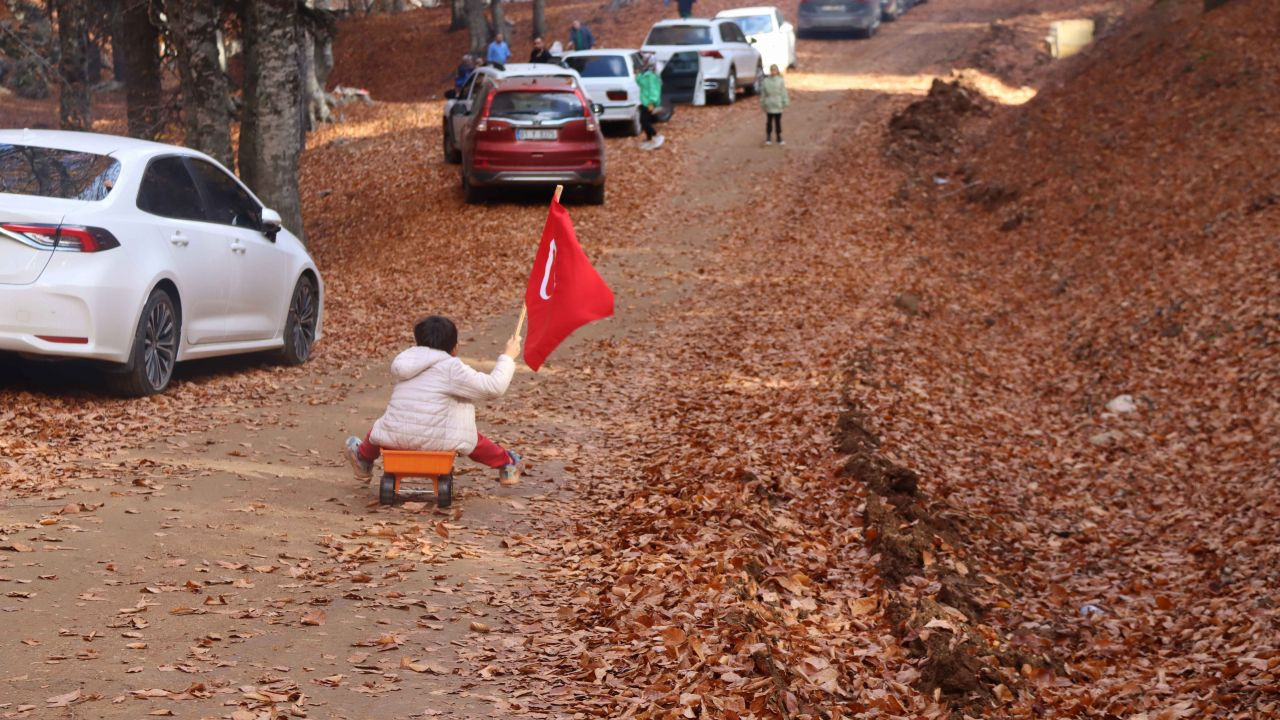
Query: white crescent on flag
[{"x": 546, "y": 272}]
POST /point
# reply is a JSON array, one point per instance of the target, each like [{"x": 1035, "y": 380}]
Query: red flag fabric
[{"x": 565, "y": 292}]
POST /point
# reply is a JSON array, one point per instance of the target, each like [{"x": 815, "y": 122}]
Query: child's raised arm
[{"x": 472, "y": 385}]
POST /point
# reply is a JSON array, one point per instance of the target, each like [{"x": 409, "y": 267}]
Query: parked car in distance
[
  {"x": 726, "y": 57},
  {"x": 531, "y": 131},
  {"x": 459, "y": 102},
  {"x": 861, "y": 16},
  {"x": 609, "y": 78},
  {"x": 141, "y": 255},
  {"x": 769, "y": 31}
]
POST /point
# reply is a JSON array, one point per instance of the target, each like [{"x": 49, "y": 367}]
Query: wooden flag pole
[{"x": 524, "y": 309}]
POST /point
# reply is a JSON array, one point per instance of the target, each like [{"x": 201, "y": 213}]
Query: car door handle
[
  {"x": 238, "y": 247},
  {"x": 179, "y": 241}
]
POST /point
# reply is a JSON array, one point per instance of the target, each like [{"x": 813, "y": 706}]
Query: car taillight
[
  {"x": 64, "y": 238},
  {"x": 616, "y": 94},
  {"x": 712, "y": 54},
  {"x": 591, "y": 124}
]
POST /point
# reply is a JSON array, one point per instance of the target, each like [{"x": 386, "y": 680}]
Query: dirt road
[{"x": 242, "y": 569}]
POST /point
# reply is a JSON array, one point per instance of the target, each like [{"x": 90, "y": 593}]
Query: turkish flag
[{"x": 565, "y": 292}]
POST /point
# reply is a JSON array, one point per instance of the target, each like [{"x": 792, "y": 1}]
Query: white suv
[
  {"x": 772, "y": 35},
  {"x": 458, "y": 102},
  {"x": 726, "y": 57}
]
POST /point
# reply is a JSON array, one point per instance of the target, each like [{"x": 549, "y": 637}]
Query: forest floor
[{"x": 845, "y": 450}]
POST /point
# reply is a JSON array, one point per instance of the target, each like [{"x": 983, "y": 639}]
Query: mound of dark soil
[{"x": 930, "y": 126}]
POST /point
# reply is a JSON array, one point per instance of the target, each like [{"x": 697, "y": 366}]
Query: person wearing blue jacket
[
  {"x": 498, "y": 52},
  {"x": 580, "y": 37}
]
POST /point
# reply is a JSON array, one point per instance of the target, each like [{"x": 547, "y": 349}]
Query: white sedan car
[
  {"x": 769, "y": 31},
  {"x": 609, "y": 77},
  {"x": 143, "y": 255},
  {"x": 727, "y": 59}
]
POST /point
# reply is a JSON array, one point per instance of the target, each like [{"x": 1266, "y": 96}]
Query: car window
[
  {"x": 729, "y": 32},
  {"x": 55, "y": 173},
  {"x": 679, "y": 35},
  {"x": 167, "y": 190},
  {"x": 595, "y": 66},
  {"x": 536, "y": 105},
  {"x": 754, "y": 24},
  {"x": 777, "y": 15},
  {"x": 471, "y": 85},
  {"x": 226, "y": 202}
]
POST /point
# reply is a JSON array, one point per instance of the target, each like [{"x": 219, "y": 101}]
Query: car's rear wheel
[
  {"x": 470, "y": 193},
  {"x": 594, "y": 194},
  {"x": 452, "y": 154},
  {"x": 730, "y": 89},
  {"x": 754, "y": 87},
  {"x": 301, "y": 322},
  {"x": 155, "y": 349}
]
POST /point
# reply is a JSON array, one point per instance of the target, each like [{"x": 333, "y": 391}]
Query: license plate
[
  {"x": 535, "y": 134},
  {"x": 833, "y": 8}
]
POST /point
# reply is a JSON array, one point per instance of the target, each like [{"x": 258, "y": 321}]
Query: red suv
[{"x": 532, "y": 131}]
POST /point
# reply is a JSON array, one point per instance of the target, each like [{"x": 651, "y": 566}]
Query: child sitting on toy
[{"x": 432, "y": 406}]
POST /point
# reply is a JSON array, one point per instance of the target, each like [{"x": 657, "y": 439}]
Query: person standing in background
[
  {"x": 498, "y": 52},
  {"x": 540, "y": 53},
  {"x": 773, "y": 100},
  {"x": 650, "y": 97},
  {"x": 580, "y": 37},
  {"x": 685, "y": 7}
]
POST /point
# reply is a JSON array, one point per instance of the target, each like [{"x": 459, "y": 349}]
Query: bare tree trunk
[
  {"x": 139, "y": 43},
  {"x": 478, "y": 25},
  {"x": 271, "y": 135},
  {"x": 499, "y": 19},
  {"x": 73, "y": 65},
  {"x": 540, "y": 20},
  {"x": 206, "y": 101},
  {"x": 457, "y": 14}
]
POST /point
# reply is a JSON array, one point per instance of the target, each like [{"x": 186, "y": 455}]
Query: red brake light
[
  {"x": 64, "y": 238},
  {"x": 616, "y": 94},
  {"x": 711, "y": 54}
]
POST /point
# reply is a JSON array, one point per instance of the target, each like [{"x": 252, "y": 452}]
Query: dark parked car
[
  {"x": 862, "y": 16},
  {"x": 532, "y": 131}
]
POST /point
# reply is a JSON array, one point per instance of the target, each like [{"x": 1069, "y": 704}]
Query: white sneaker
[
  {"x": 767, "y": 141},
  {"x": 646, "y": 145},
  {"x": 782, "y": 142},
  {"x": 657, "y": 141}
]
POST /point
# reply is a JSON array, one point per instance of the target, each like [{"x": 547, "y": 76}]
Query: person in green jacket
[
  {"x": 773, "y": 98},
  {"x": 650, "y": 97}
]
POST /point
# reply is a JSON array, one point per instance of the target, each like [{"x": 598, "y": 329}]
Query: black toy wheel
[
  {"x": 387, "y": 490},
  {"x": 444, "y": 491}
]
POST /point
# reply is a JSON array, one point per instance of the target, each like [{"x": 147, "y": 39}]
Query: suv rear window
[
  {"x": 598, "y": 66},
  {"x": 54, "y": 173},
  {"x": 679, "y": 35},
  {"x": 536, "y": 105}
]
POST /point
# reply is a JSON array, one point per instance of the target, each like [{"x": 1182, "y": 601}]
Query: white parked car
[
  {"x": 728, "y": 60},
  {"x": 459, "y": 102},
  {"x": 142, "y": 255},
  {"x": 609, "y": 78},
  {"x": 769, "y": 31}
]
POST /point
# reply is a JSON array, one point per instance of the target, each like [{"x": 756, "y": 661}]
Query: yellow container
[{"x": 1067, "y": 37}]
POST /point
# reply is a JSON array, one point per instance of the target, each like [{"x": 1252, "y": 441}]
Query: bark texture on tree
[
  {"x": 138, "y": 40},
  {"x": 206, "y": 99},
  {"x": 540, "y": 21},
  {"x": 477, "y": 26},
  {"x": 271, "y": 136},
  {"x": 499, "y": 19},
  {"x": 73, "y": 64},
  {"x": 457, "y": 14}
]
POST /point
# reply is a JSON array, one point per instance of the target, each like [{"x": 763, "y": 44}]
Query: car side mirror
[
  {"x": 271, "y": 223},
  {"x": 450, "y": 94},
  {"x": 597, "y": 108},
  {"x": 751, "y": 40}
]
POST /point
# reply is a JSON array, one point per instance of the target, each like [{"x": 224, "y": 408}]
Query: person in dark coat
[
  {"x": 685, "y": 7},
  {"x": 540, "y": 52},
  {"x": 580, "y": 37}
]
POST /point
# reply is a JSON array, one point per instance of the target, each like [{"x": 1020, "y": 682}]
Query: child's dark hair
[{"x": 436, "y": 331}]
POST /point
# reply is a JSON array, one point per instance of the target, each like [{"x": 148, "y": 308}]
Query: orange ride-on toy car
[{"x": 400, "y": 464}]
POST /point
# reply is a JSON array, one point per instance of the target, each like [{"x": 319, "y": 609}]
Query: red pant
[{"x": 487, "y": 452}]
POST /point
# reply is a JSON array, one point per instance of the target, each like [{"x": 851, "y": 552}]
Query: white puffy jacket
[{"x": 431, "y": 405}]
